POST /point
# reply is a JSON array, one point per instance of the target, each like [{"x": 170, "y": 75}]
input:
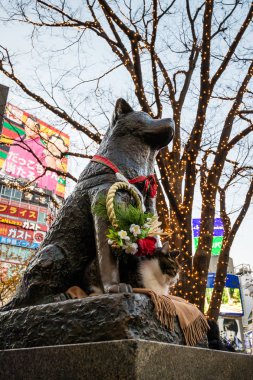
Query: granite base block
[{"x": 123, "y": 360}]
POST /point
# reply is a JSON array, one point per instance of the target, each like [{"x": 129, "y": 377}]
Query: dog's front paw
[
  {"x": 119, "y": 288},
  {"x": 76, "y": 292}
]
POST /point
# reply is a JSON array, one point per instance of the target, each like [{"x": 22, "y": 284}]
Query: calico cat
[{"x": 158, "y": 272}]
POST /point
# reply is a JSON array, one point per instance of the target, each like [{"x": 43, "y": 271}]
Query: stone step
[{"x": 123, "y": 360}]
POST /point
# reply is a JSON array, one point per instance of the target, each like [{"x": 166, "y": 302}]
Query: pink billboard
[{"x": 28, "y": 147}]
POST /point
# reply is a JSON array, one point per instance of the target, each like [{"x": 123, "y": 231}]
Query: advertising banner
[
  {"x": 18, "y": 212},
  {"x": 21, "y": 234},
  {"x": 231, "y": 332},
  {"x": 231, "y": 303},
  {"x": 16, "y": 232},
  {"x": 19, "y": 243},
  {"x": 19, "y": 226},
  {"x": 28, "y": 225},
  {"x": 218, "y": 233},
  {"x": 28, "y": 146}
]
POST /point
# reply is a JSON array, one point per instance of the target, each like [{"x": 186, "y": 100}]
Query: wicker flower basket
[{"x": 110, "y": 200}]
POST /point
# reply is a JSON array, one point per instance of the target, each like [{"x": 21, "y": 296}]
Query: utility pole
[{"x": 3, "y": 100}]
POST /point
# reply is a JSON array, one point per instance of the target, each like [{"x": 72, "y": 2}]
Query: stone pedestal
[
  {"x": 93, "y": 319},
  {"x": 123, "y": 360}
]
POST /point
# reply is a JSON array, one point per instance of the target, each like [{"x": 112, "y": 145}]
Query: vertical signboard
[
  {"x": 28, "y": 146},
  {"x": 217, "y": 234}
]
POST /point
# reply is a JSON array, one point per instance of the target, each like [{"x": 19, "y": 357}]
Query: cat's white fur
[{"x": 154, "y": 279}]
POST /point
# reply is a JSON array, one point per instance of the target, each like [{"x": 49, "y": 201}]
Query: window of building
[
  {"x": 16, "y": 194},
  {"x": 6, "y": 192},
  {"x": 42, "y": 217}
]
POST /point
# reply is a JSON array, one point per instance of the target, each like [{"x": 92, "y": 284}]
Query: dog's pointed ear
[{"x": 121, "y": 108}]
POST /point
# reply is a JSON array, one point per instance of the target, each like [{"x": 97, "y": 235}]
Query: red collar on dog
[{"x": 150, "y": 181}]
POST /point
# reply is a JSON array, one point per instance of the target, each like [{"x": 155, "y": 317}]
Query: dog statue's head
[{"x": 157, "y": 133}]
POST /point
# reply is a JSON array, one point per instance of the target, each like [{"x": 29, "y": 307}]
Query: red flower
[{"x": 146, "y": 246}]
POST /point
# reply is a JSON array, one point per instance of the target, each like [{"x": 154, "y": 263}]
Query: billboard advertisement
[
  {"x": 218, "y": 233},
  {"x": 231, "y": 303},
  {"x": 28, "y": 146},
  {"x": 19, "y": 226},
  {"x": 18, "y": 212},
  {"x": 231, "y": 332}
]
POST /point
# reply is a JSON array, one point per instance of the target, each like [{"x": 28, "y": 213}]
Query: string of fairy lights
[{"x": 196, "y": 277}]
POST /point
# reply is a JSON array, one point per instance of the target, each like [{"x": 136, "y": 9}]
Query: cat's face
[{"x": 168, "y": 263}]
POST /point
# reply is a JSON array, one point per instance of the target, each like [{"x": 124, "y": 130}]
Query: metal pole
[{"x": 3, "y": 100}]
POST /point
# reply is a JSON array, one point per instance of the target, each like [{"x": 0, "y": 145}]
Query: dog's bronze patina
[{"x": 77, "y": 238}]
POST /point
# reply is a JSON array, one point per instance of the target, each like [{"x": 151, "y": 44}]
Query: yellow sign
[{"x": 10, "y": 221}]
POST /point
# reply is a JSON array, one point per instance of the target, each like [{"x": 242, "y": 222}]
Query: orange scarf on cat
[{"x": 192, "y": 322}]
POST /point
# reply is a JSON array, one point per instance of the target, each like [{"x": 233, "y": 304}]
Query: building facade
[{"x": 30, "y": 193}]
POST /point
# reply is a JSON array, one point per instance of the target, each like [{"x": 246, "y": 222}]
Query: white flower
[
  {"x": 149, "y": 219},
  {"x": 110, "y": 242},
  {"x": 135, "y": 229},
  {"x": 131, "y": 248},
  {"x": 123, "y": 235}
]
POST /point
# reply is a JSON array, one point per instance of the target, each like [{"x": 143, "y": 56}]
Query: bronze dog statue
[{"x": 77, "y": 238}]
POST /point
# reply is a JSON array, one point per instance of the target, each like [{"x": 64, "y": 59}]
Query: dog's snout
[
  {"x": 161, "y": 131},
  {"x": 165, "y": 123},
  {"x": 169, "y": 122}
]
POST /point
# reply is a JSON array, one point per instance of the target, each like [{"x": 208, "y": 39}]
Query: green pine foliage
[
  {"x": 125, "y": 214},
  {"x": 100, "y": 207}
]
